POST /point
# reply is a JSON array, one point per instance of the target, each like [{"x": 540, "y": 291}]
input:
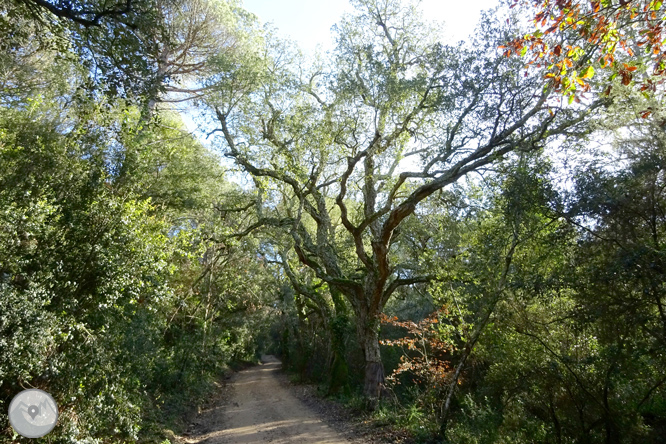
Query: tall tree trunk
[
  {"x": 338, "y": 369},
  {"x": 368, "y": 336}
]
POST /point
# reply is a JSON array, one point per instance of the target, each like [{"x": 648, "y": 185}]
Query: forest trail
[{"x": 262, "y": 409}]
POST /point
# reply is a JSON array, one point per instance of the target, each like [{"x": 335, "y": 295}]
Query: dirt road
[{"x": 262, "y": 409}]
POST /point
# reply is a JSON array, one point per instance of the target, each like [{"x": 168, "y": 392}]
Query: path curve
[{"x": 261, "y": 409}]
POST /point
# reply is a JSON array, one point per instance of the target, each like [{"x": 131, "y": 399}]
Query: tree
[
  {"x": 621, "y": 217},
  {"x": 85, "y": 14},
  {"x": 395, "y": 118},
  {"x": 105, "y": 228},
  {"x": 80, "y": 257},
  {"x": 574, "y": 36},
  {"x": 115, "y": 41},
  {"x": 197, "y": 34},
  {"x": 573, "y": 348}
]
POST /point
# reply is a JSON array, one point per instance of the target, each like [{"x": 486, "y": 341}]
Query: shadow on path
[{"x": 261, "y": 409}]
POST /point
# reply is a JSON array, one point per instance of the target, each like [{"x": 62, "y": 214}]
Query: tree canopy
[{"x": 575, "y": 37}]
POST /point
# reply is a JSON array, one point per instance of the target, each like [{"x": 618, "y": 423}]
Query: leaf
[
  {"x": 588, "y": 73},
  {"x": 626, "y": 78}
]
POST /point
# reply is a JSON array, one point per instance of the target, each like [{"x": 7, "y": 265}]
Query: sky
[{"x": 309, "y": 22}]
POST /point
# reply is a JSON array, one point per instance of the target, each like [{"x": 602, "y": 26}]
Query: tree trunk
[
  {"x": 339, "y": 370},
  {"x": 374, "y": 368}
]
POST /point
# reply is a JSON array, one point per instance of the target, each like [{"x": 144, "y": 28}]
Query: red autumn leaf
[{"x": 626, "y": 77}]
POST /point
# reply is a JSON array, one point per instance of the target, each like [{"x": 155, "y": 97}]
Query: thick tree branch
[
  {"x": 85, "y": 17},
  {"x": 402, "y": 282}
]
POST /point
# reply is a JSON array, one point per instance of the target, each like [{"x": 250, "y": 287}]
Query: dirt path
[{"x": 261, "y": 409}]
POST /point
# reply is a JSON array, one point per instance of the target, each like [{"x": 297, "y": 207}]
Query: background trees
[
  {"x": 114, "y": 41},
  {"x": 113, "y": 297}
]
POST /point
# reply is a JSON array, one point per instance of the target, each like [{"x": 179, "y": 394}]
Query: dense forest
[{"x": 466, "y": 242}]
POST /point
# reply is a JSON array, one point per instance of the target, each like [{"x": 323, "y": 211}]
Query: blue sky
[{"x": 309, "y": 21}]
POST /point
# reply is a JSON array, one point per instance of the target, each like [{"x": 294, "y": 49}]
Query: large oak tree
[{"x": 343, "y": 152}]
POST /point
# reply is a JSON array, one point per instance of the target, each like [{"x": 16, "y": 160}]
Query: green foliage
[
  {"x": 116, "y": 44},
  {"x": 114, "y": 296}
]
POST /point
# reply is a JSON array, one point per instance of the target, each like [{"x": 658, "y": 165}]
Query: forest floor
[{"x": 260, "y": 405}]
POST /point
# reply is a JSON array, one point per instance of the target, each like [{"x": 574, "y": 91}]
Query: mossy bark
[{"x": 339, "y": 370}]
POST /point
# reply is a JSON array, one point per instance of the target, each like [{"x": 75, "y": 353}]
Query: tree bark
[
  {"x": 368, "y": 335},
  {"x": 339, "y": 370}
]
